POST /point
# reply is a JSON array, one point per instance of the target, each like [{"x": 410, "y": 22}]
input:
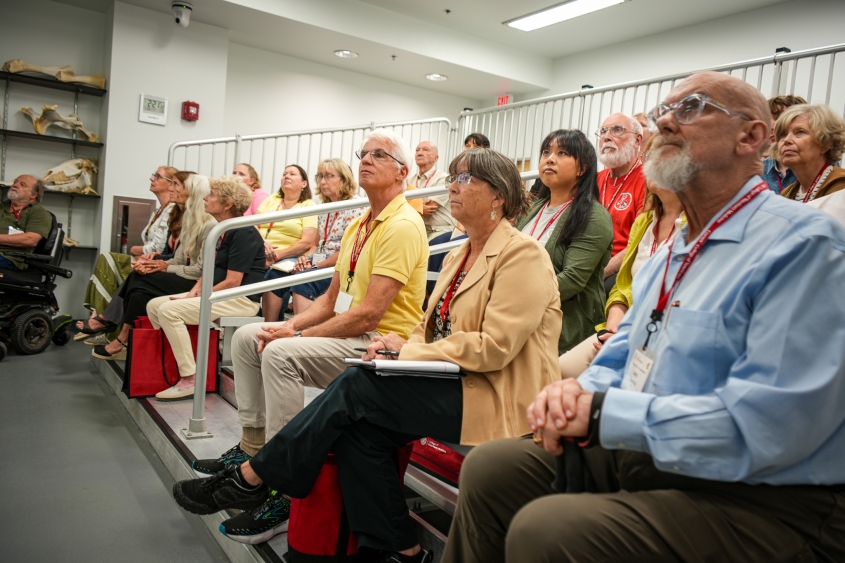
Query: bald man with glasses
[{"x": 710, "y": 427}]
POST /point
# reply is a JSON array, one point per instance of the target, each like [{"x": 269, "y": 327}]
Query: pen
[{"x": 381, "y": 352}]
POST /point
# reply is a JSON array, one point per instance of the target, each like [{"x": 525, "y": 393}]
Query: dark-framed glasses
[
  {"x": 379, "y": 155},
  {"x": 615, "y": 130},
  {"x": 326, "y": 177},
  {"x": 690, "y": 109}
]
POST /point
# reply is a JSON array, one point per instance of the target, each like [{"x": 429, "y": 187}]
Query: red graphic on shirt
[{"x": 623, "y": 202}]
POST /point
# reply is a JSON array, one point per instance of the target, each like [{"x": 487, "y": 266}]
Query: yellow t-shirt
[
  {"x": 397, "y": 248},
  {"x": 284, "y": 233}
]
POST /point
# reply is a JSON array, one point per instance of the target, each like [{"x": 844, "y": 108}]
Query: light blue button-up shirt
[{"x": 749, "y": 378}]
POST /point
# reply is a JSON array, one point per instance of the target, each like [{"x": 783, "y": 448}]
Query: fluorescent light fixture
[
  {"x": 437, "y": 77},
  {"x": 344, "y": 54},
  {"x": 559, "y": 13}
]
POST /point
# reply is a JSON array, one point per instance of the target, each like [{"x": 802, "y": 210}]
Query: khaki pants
[
  {"x": 172, "y": 316},
  {"x": 574, "y": 362},
  {"x": 507, "y": 511},
  {"x": 270, "y": 386}
]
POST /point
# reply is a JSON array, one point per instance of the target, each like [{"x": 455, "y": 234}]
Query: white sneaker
[{"x": 175, "y": 394}]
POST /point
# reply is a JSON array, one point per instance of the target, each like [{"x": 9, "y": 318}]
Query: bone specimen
[
  {"x": 61, "y": 73},
  {"x": 49, "y": 117},
  {"x": 72, "y": 176}
]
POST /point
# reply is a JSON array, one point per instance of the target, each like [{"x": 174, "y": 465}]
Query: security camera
[{"x": 182, "y": 13}]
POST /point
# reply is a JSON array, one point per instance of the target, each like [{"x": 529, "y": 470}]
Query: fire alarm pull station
[{"x": 190, "y": 111}]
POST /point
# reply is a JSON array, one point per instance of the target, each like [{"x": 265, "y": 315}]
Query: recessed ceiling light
[
  {"x": 560, "y": 12},
  {"x": 344, "y": 54},
  {"x": 437, "y": 77}
]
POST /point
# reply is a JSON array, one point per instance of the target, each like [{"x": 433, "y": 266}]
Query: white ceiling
[{"x": 481, "y": 57}]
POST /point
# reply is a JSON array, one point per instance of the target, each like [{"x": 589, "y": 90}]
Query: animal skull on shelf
[
  {"x": 49, "y": 117},
  {"x": 60, "y": 73},
  {"x": 72, "y": 176}
]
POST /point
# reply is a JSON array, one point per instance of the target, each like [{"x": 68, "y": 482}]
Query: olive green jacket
[{"x": 579, "y": 268}]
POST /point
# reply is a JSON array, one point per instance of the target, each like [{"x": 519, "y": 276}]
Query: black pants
[
  {"x": 138, "y": 290},
  {"x": 364, "y": 418}
]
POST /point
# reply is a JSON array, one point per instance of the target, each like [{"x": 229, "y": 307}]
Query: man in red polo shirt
[{"x": 621, "y": 183}]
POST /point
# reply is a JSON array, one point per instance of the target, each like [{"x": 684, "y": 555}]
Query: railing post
[{"x": 778, "y": 83}]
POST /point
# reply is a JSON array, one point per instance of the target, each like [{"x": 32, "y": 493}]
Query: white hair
[
  {"x": 673, "y": 173},
  {"x": 194, "y": 217},
  {"x": 399, "y": 147},
  {"x": 636, "y": 126}
]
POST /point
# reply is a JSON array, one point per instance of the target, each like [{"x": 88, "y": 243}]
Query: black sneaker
[
  {"x": 423, "y": 557},
  {"x": 260, "y": 524},
  {"x": 213, "y": 466},
  {"x": 224, "y": 490}
]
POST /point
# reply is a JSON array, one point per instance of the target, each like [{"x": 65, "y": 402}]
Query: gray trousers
[
  {"x": 507, "y": 512},
  {"x": 270, "y": 386}
]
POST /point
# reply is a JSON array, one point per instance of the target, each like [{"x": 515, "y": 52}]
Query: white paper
[
  {"x": 405, "y": 365},
  {"x": 638, "y": 371},
  {"x": 14, "y": 231},
  {"x": 343, "y": 302},
  {"x": 287, "y": 265}
]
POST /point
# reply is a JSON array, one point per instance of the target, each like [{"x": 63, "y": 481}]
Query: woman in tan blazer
[{"x": 495, "y": 312}]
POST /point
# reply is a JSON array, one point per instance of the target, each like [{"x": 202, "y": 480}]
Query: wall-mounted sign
[
  {"x": 504, "y": 100},
  {"x": 153, "y": 110}
]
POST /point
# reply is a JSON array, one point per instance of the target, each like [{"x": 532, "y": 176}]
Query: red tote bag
[
  {"x": 438, "y": 459},
  {"x": 151, "y": 366}
]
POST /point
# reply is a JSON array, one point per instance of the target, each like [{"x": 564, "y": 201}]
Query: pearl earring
[{"x": 492, "y": 215}]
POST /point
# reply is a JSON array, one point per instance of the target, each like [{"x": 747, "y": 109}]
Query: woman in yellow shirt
[{"x": 294, "y": 237}]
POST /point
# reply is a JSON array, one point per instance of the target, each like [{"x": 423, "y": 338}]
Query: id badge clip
[
  {"x": 639, "y": 369},
  {"x": 343, "y": 302}
]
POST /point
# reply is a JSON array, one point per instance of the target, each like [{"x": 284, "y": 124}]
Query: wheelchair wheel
[
  {"x": 31, "y": 332},
  {"x": 62, "y": 336},
  {"x": 2, "y": 351}
]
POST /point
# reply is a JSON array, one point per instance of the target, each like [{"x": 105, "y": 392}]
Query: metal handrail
[{"x": 196, "y": 425}]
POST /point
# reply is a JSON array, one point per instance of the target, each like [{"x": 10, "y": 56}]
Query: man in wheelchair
[{"x": 30, "y": 253}]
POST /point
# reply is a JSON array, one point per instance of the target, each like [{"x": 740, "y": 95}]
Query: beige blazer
[{"x": 506, "y": 321}]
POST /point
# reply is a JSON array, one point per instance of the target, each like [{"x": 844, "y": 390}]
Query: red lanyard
[
  {"x": 17, "y": 214},
  {"x": 270, "y": 226},
  {"x": 655, "y": 233},
  {"x": 616, "y": 193},
  {"x": 663, "y": 299},
  {"x": 812, "y": 187},
  {"x": 447, "y": 299},
  {"x": 358, "y": 246},
  {"x": 552, "y": 220},
  {"x": 433, "y": 172},
  {"x": 328, "y": 228}
]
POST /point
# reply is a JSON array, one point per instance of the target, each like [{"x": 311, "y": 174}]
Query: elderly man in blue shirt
[{"x": 711, "y": 427}]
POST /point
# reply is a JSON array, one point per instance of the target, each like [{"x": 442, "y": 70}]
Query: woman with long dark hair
[{"x": 575, "y": 229}]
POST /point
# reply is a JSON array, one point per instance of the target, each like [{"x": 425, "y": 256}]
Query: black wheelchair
[{"x": 29, "y": 317}]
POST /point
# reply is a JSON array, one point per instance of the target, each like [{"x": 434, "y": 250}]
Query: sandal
[
  {"x": 100, "y": 352},
  {"x": 87, "y": 331}
]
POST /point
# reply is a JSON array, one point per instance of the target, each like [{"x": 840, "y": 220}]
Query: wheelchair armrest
[
  {"x": 52, "y": 269},
  {"x": 27, "y": 256}
]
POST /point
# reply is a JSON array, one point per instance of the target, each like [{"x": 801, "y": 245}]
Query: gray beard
[
  {"x": 673, "y": 174},
  {"x": 620, "y": 157}
]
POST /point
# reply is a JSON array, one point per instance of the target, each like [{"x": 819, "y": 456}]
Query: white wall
[{"x": 798, "y": 24}]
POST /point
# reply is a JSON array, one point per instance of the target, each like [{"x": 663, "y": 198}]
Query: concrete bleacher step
[{"x": 430, "y": 501}]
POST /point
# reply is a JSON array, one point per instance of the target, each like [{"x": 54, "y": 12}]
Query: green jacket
[{"x": 580, "y": 272}]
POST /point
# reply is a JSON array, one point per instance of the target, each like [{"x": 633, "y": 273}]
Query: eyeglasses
[
  {"x": 615, "y": 130},
  {"x": 462, "y": 178},
  {"x": 378, "y": 155},
  {"x": 157, "y": 176},
  {"x": 689, "y": 109},
  {"x": 326, "y": 177}
]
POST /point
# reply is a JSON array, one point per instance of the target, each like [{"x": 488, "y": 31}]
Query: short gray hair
[
  {"x": 636, "y": 126},
  {"x": 399, "y": 147},
  {"x": 500, "y": 173}
]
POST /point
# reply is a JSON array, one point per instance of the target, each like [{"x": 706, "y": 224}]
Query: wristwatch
[{"x": 297, "y": 333}]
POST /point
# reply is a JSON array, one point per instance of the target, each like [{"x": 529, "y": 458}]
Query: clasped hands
[
  {"x": 145, "y": 266},
  {"x": 561, "y": 410}
]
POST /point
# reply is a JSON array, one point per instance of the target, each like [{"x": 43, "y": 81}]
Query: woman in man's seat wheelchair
[{"x": 28, "y": 306}]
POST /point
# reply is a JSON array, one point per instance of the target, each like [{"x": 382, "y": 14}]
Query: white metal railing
[
  {"x": 818, "y": 75},
  {"x": 196, "y": 426},
  {"x": 270, "y": 153}
]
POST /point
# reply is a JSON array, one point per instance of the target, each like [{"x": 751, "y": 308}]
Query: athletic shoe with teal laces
[
  {"x": 213, "y": 466},
  {"x": 260, "y": 524}
]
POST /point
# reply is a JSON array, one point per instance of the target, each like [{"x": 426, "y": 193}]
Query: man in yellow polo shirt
[{"x": 378, "y": 287}]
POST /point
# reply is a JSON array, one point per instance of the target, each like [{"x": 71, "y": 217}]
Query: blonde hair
[
  {"x": 348, "y": 186},
  {"x": 826, "y": 127},
  {"x": 252, "y": 174},
  {"x": 194, "y": 218},
  {"x": 169, "y": 171},
  {"x": 232, "y": 189}
]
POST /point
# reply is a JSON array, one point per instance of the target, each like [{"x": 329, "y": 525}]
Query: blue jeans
[{"x": 6, "y": 264}]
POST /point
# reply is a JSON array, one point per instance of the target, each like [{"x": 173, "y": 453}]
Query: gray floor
[{"x": 78, "y": 480}]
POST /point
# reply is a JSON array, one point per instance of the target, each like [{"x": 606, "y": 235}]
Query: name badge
[
  {"x": 343, "y": 302},
  {"x": 14, "y": 231},
  {"x": 317, "y": 257},
  {"x": 638, "y": 371}
]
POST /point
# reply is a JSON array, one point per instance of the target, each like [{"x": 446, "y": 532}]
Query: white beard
[
  {"x": 673, "y": 173},
  {"x": 617, "y": 157}
]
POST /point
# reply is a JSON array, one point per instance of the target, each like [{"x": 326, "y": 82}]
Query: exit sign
[{"x": 504, "y": 100}]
